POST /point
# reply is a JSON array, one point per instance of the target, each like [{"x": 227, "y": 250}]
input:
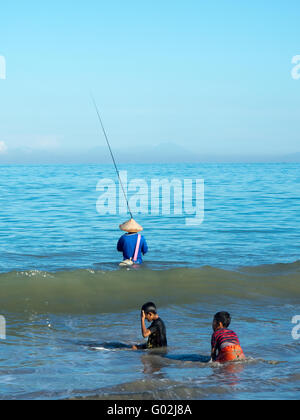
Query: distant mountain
[
  {"x": 162, "y": 153},
  {"x": 59, "y": 156},
  {"x": 167, "y": 152}
]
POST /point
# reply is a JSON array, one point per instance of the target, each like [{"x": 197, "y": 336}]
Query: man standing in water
[{"x": 132, "y": 244}]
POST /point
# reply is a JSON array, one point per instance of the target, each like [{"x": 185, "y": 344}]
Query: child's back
[
  {"x": 225, "y": 343},
  {"x": 158, "y": 337}
]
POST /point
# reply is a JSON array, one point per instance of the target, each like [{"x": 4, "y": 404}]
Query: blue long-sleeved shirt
[{"x": 127, "y": 245}]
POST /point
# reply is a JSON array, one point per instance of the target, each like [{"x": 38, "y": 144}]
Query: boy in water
[
  {"x": 156, "y": 333},
  {"x": 225, "y": 343}
]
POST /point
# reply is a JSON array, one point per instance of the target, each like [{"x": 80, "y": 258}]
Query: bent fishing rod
[{"x": 114, "y": 161}]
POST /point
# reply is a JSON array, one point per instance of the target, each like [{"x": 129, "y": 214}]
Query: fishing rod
[{"x": 114, "y": 161}]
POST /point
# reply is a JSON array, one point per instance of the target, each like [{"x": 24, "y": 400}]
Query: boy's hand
[
  {"x": 143, "y": 316},
  {"x": 134, "y": 348}
]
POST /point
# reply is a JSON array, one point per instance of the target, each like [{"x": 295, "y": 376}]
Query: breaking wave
[{"x": 87, "y": 291}]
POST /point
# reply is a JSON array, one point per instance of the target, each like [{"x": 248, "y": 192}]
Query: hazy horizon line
[{"x": 155, "y": 155}]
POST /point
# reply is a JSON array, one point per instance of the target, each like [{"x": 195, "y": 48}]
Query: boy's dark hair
[
  {"x": 223, "y": 317},
  {"x": 149, "y": 307}
]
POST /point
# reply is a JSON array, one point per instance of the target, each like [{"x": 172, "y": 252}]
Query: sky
[{"x": 174, "y": 80}]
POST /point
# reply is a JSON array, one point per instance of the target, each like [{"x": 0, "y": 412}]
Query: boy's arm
[
  {"x": 213, "y": 348},
  {"x": 139, "y": 347},
  {"x": 145, "y": 331}
]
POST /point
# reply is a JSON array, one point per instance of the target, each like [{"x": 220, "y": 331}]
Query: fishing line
[{"x": 114, "y": 161}]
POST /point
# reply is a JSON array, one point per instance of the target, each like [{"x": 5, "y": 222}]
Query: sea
[{"x": 69, "y": 313}]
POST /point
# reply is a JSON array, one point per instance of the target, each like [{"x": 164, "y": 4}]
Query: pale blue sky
[{"x": 210, "y": 77}]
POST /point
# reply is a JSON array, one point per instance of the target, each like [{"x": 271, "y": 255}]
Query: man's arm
[
  {"x": 120, "y": 244},
  {"x": 144, "y": 247}
]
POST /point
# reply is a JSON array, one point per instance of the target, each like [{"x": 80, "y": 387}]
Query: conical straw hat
[{"x": 131, "y": 226}]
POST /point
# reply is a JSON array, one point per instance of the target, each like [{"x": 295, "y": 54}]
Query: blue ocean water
[
  {"x": 48, "y": 217},
  {"x": 70, "y": 311}
]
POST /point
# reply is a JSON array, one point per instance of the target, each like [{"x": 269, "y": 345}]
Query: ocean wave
[{"x": 88, "y": 291}]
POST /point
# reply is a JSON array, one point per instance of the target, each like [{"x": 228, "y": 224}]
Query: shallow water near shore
[
  {"x": 86, "y": 355},
  {"x": 71, "y": 313}
]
